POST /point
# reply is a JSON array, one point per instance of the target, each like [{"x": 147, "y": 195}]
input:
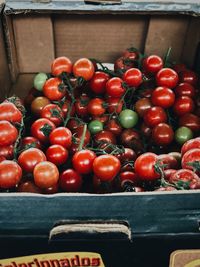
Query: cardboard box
[{"x": 148, "y": 226}]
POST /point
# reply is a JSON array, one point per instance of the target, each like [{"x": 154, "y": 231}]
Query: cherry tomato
[
  {"x": 30, "y": 141},
  {"x": 168, "y": 161},
  {"x": 114, "y": 87},
  {"x": 115, "y": 105},
  {"x": 39, "y": 81},
  {"x": 191, "y": 121},
  {"x": 142, "y": 105},
  {"x": 154, "y": 116},
  {"x": 96, "y": 107},
  {"x": 114, "y": 127},
  {"x": 8, "y": 133},
  {"x": 61, "y": 136},
  {"x": 53, "y": 113},
  {"x": 84, "y": 68},
  {"x": 162, "y": 134},
  {"x": 105, "y": 137},
  {"x": 106, "y": 167},
  {"x": 168, "y": 173},
  {"x": 183, "y": 105},
  {"x": 179, "y": 67},
  {"x": 6, "y": 151},
  {"x": 190, "y": 144},
  {"x": 66, "y": 107},
  {"x": 144, "y": 167},
  {"x": 146, "y": 92},
  {"x": 78, "y": 133},
  {"x": 29, "y": 158},
  {"x": 129, "y": 136},
  {"x": 190, "y": 159},
  {"x": 128, "y": 155},
  {"x": 131, "y": 53},
  {"x": 82, "y": 161},
  {"x": 128, "y": 176},
  {"x": 183, "y": 134},
  {"x": 133, "y": 77},
  {"x": 145, "y": 130},
  {"x": 54, "y": 89},
  {"x": 185, "y": 89},
  {"x": 167, "y": 77},
  {"x": 81, "y": 106},
  {"x": 70, "y": 181},
  {"x": 45, "y": 174},
  {"x": 57, "y": 154},
  {"x": 103, "y": 118},
  {"x": 95, "y": 126},
  {"x": 188, "y": 76},
  {"x": 9, "y": 112},
  {"x": 123, "y": 63},
  {"x": 41, "y": 129},
  {"x": 60, "y": 65},
  {"x": 128, "y": 118},
  {"x": 187, "y": 179},
  {"x": 38, "y": 104},
  {"x": 163, "y": 97},
  {"x": 167, "y": 188},
  {"x": 10, "y": 174},
  {"x": 152, "y": 64},
  {"x": 51, "y": 190},
  {"x": 98, "y": 82},
  {"x": 29, "y": 187}
]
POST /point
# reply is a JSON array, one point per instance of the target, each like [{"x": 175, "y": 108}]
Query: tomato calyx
[
  {"x": 56, "y": 113},
  {"x": 46, "y": 129}
]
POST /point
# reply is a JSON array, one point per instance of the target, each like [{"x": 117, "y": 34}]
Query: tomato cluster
[{"x": 87, "y": 128}]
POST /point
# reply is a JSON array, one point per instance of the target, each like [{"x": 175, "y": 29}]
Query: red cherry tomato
[
  {"x": 30, "y": 141},
  {"x": 188, "y": 76},
  {"x": 191, "y": 121},
  {"x": 53, "y": 113},
  {"x": 162, "y": 134},
  {"x": 84, "y": 68},
  {"x": 185, "y": 89},
  {"x": 190, "y": 158},
  {"x": 41, "y": 129},
  {"x": 96, "y": 107},
  {"x": 168, "y": 173},
  {"x": 115, "y": 105},
  {"x": 45, "y": 174},
  {"x": 190, "y": 144},
  {"x": 57, "y": 154},
  {"x": 10, "y": 174},
  {"x": 167, "y": 77},
  {"x": 133, "y": 77},
  {"x": 114, "y": 127},
  {"x": 106, "y": 167},
  {"x": 98, "y": 82},
  {"x": 61, "y": 136},
  {"x": 9, "y": 112},
  {"x": 188, "y": 179},
  {"x": 29, "y": 187},
  {"x": 8, "y": 133},
  {"x": 29, "y": 158},
  {"x": 154, "y": 115},
  {"x": 82, "y": 161},
  {"x": 183, "y": 105},
  {"x": 70, "y": 181},
  {"x": 78, "y": 133},
  {"x": 123, "y": 63},
  {"x": 51, "y": 190},
  {"x": 168, "y": 161},
  {"x": 114, "y": 87},
  {"x": 128, "y": 176},
  {"x": 128, "y": 155},
  {"x": 145, "y": 130},
  {"x": 163, "y": 97},
  {"x": 105, "y": 137},
  {"x": 129, "y": 136},
  {"x": 54, "y": 89},
  {"x": 152, "y": 64},
  {"x": 6, "y": 151},
  {"x": 131, "y": 53},
  {"x": 142, "y": 105},
  {"x": 60, "y": 65},
  {"x": 65, "y": 108},
  {"x": 81, "y": 106},
  {"x": 144, "y": 167}
]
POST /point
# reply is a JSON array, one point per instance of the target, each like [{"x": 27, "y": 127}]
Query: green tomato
[
  {"x": 128, "y": 118},
  {"x": 95, "y": 126},
  {"x": 39, "y": 81},
  {"x": 183, "y": 134}
]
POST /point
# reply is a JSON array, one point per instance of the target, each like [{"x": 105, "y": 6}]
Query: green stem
[
  {"x": 166, "y": 59},
  {"x": 82, "y": 137},
  {"x": 15, "y": 149}
]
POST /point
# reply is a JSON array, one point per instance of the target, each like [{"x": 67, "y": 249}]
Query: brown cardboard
[
  {"x": 165, "y": 32},
  {"x": 22, "y": 85},
  {"x": 100, "y": 36},
  {"x": 34, "y": 42},
  {"x": 186, "y": 258}
]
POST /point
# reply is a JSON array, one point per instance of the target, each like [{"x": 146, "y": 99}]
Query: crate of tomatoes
[{"x": 96, "y": 154}]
